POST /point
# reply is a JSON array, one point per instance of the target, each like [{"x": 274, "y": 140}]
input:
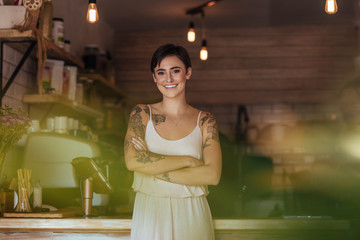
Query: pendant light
[
  {"x": 191, "y": 33},
  {"x": 203, "y": 51},
  {"x": 92, "y": 15},
  {"x": 211, "y": 3},
  {"x": 331, "y": 6}
]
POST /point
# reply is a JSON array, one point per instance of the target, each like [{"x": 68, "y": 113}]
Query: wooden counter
[{"x": 226, "y": 229}]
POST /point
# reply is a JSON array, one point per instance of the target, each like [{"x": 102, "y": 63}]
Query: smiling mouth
[{"x": 170, "y": 86}]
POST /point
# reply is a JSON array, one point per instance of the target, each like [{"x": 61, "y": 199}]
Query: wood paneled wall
[{"x": 264, "y": 65}]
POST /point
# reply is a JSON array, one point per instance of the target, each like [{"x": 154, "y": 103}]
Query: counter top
[{"x": 113, "y": 224}]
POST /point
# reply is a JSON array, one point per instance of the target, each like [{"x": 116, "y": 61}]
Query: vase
[{"x": 23, "y": 204}]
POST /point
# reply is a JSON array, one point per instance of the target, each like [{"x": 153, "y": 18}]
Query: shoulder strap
[
  {"x": 149, "y": 111},
  {"x": 198, "y": 120}
]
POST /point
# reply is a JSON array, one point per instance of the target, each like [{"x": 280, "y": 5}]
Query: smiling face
[{"x": 170, "y": 76}]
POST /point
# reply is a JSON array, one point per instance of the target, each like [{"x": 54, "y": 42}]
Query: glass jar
[
  {"x": 58, "y": 32},
  {"x": 91, "y": 57}
]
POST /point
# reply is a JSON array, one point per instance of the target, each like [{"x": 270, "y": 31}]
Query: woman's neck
[{"x": 174, "y": 106}]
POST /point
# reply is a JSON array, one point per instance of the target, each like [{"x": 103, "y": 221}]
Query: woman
[{"x": 174, "y": 151}]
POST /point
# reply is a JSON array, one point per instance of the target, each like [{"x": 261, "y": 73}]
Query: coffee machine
[{"x": 49, "y": 156}]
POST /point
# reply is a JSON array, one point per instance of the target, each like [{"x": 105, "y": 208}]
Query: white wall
[{"x": 25, "y": 81}]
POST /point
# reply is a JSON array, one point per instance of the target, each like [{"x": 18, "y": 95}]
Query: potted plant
[{"x": 13, "y": 125}]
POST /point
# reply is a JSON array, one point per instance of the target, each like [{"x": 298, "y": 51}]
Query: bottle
[
  {"x": 45, "y": 18},
  {"x": 58, "y": 32},
  {"x": 37, "y": 198},
  {"x": 91, "y": 57},
  {"x": 67, "y": 45}
]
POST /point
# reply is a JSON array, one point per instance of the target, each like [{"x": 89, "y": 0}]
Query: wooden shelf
[
  {"x": 112, "y": 132},
  {"x": 105, "y": 87},
  {"x": 17, "y": 40},
  {"x": 57, "y": 99}
]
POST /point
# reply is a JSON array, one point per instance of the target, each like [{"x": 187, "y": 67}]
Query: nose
[{"x": 169, "y": 77}]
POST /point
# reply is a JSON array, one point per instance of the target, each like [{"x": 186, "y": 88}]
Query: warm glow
[
  {"x": 212, "y": 3},
  {"x": 92, "y": 13},
  {"x": 331, "y": 6},
  {"x": 191, "y": 35},
  {"x": 350, "y": 144},
  {"x": 203, "y": 53}
]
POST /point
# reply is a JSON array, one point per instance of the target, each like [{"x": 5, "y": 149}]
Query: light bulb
[
  {"x": 203, "y": 51},
  {"x": 211, "y": 3},
  {"x": 92, "y": 13},
  {"x": 191, "y": 32},
  {"x": 331, "y": 6}
]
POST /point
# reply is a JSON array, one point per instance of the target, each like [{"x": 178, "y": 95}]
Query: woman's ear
[
  {"x": 154, "y": 77},
  {"x": 188, "y": 73}
]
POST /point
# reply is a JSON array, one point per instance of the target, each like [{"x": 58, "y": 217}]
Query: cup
[
  {"x": 76, "y": 124},
  {"x": 37, "y": 197},
  {"x": 61, "y": 124},
  {"x": 35, "y": 126},
  {"x": 50, "y": 124},
  {"x": 70, "y": 123}
]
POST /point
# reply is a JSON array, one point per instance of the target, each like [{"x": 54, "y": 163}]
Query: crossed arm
[{"x": 178, "y": 169}]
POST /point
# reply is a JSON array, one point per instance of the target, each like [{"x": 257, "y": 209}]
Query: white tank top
[{"x": 190, "y": 145}]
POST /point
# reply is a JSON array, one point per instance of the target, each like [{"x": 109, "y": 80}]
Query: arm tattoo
[
  {"x": 135, "y": 122},
  {"x": 147, "y": 157},
  {"x": 127, "y": 143},
  {"x": 147, "y": 111},
  {"x": 208, "y": 117},
  {"x": 212, "y": 129},
  {"x": 136, "y": 125},
  {"x": 166, "y": 177},
  {"x": 158, "y": 118}
]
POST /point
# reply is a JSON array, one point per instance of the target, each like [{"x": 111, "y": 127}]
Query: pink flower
[
  {"x": 6, "y": 124},
  {"x": 12, "y": 122},
  {"x": 13, "y": 125},
  {"x": 20, "y": 121}
]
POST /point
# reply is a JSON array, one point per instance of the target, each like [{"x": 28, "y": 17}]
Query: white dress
[{"x": 170, "y": 211}]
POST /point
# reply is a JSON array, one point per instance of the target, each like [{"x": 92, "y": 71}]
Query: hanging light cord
[{"x": 203, "y": 31}]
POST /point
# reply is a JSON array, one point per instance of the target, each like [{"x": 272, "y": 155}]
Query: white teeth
[{"x": 170, "y": 86}]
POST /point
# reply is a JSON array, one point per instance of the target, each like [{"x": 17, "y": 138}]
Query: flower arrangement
[{"x": 13, "y": 125}]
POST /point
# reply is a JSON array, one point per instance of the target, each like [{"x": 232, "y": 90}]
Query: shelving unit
[
  {"x": 60, "y": 100},
  {"x": 106, "y": 90},
  {"x": 20, "y": 41},
  {"x": 105, "y": 87},
  {"x": 25, "y": 42}
]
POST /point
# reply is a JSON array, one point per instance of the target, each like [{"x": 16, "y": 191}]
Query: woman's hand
[
  {"x": 193, "y": 162},
  {"x": 137, "y": 155},
  {"x": 139, "y": 144}
]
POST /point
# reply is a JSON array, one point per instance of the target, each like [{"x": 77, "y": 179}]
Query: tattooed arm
[
  {"x": 210, "y": 173},
  {"x": 145, "y": 161}
]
